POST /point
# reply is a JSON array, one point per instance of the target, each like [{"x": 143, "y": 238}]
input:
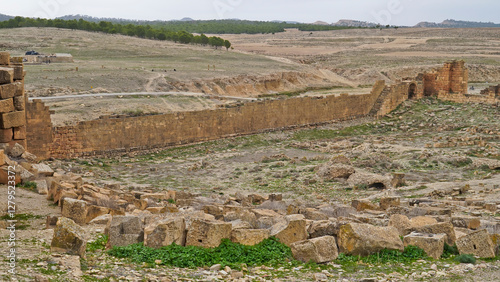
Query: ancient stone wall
[
  {"x": 393, "y": 95},
  {"x": 12, "y": 101},
  {"x": 39, "y": 129},
  {"x": 451, "y": 78},
  {"x": 110, "y": 134}
]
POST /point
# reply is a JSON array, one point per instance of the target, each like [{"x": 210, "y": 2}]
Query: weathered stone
[
  {"x": 444, "y": 227},
  {"x": 338, "y": 210},
  {"x": 165, "y": 232},
  {"x": 7, "y": 105},
  {"x": 103, "y": 219},
  {"x": 207, "y": 234},
  {"x": 7, "y": 91},
  {"x": 400, "y": 222},
  {"x": 291, "y": 230},
  {"x": 366, "y": 239},
  {"x": 216, "y": 211},
  {"x": 398, "y": 180},
  {"x": 95, "y": 211},
  {"x": 41, "y": 186},
  {"x": 419, "y": 221},
  {"x": 69, "y": 238},
  {"x": 361, "y": 205},
  {"x": 249, "y": 237},
  {"x": 240, "y": 224},
  {"x": 369, "y": 180},
  {"x": 75, "y": 210},
  {"x": 7, "y": 175},
  {"x": 466, "y": 222},
  {"x": 264, "y": 212},
  {"x": 157, "y": 210},
  {"x": 4, "y": 58},
  {"x": 323, "y": 228},
  {"x": 12, "y": 119},
  {"x": 16, "y": 151},
  {"x": 319, "y": 250},
  {"x": 432, "y": 244},
  {"x": 42, "y": 169},
  {"x": 19, "y": 103},
  {"x": 477, "y": 243},
  {"x": 491, "y": 207},
  {"x": 387, "y": 202},
  {"x": 313, "y": 214},
  {"x": 124, "y": 231},
  {"x": 6, "y": 75},
  {"x": 331, "y": 171}
]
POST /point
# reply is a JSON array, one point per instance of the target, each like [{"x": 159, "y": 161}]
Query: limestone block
[
  {"x": 95, "y": 211},
  {"x": 7, "y": 105},
  {"x": 12, "y": 119},
  {"x": 445, "y": 227},
  {"x": 249, "y": 237},
  {"x": 20, "y": 133},
  {"x": 319, "y": 250},
  {"x": 291, "y": 230},
  {"x": 322, "y": 228},
  {"x": 207, "y": 234},
  {"x": 361, "y": 205},
  {"x": 42, "y": 169},
  {"x": 5, "y": 173},
  {"x": 469, "y": 222},
  {"x": 432, "y": 244},
  {"x": 366, "y": 239},
  {"x": 75, "y": 210},
  {"x": 314, "y": 214},
  {"x": 18, "y": 72},
  {"x": 41, "y": 186},
  {"x": 165, "y": 232},
  {"x": 4, "y": 58},
  {"x": 69, "y": 238},
  {"x": 6, "y": 75},
  {"x": 124, "y": 231},
  {"x": 477, "y": 243},
  {"x": 19, "y": 103},
  {"x": 6, "y": 135},
  {"x": 331, "y": 171},
  {"x": 419, "y": 221},
  {"x": 400, "y": 222},
  {"x": 387, "y": 202}
]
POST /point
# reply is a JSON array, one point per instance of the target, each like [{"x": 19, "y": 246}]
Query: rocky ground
[{"x": 435, "y": 157}]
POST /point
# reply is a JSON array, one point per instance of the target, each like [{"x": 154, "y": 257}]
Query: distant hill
[
  {"x": 354, "y": 23},
  {"x": 5, "y": 17},
  {"x": 457, "y": 24},
  {"x": 320, "y": 23}
]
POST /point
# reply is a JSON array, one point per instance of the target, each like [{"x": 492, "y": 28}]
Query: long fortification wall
[{"x": 110, "y": 134}]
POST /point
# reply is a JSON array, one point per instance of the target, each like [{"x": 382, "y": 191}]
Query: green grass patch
[
  {"x": 21, "y": 216},
  {"x": 449, "y": 251},
  {"x": 98, "y": 244},
  {"x": 466, "y": 259},
  {"x": 29, "y": 185},
  {"x": 409, "y": 255},
  {"x": 268, "y": 252}
]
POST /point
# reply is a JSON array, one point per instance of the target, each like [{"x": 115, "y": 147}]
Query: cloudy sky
[{"x": 394, "y": 12}]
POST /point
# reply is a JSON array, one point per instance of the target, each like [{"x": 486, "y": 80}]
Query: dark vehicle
[{"x": 32, "y": 53}]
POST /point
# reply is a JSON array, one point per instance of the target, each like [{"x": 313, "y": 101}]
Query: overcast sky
[{"x": 394, "y": 12}]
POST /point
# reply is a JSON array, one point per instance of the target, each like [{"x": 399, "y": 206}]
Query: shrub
[{"x": 466, "y": 259}]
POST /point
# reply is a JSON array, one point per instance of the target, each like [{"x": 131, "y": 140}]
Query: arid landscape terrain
[{"x": 440, "y": 160}]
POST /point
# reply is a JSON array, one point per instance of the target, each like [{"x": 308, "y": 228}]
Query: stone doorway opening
[{"x": 412, "y": 91}]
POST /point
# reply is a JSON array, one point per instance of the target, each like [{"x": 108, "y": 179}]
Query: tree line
[{"x": 141, "y": 31}]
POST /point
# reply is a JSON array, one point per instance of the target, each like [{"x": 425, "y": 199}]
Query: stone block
[
  {"x": 319, "y": 250},
  {"x": 7, "y": 175},
  {"x": 19, "y": 103},
  {"x": 466, "y": 222},
  {"x": 491, "y": 207},
  {"x": 165, "y": 232},
  {"x": 361, "y": 205},
  {"x": 400, "y": 222},
  {"x": 207, "y": 234},
  {"x": 419, "y": 221},
  {"x": 13, "y": 119},
  {"x": 432, "y": 244},
  {"x": 18, "y": 72},
  {"x": 68, "y": 238},
  {"x": 387, "y": 202},
  {"x": 124, "y": 231},
  {"x": 94, "y": 212},
  {"x": 41, "y": 186},
  {"x": 445, "y": 227},
  {"x": 75, "y": 210},
  {"x": 291, "y": 230},
  {"x": 249, "y": 237},
  {"x": 4, "y": 58},
  {"x": 42, "y": 169},
  {"x": 323, "y": 228},
  {"x": 477, "y": 243},
  {"x": 366, "y": 239},
  {"x": 6, "y": 75},
  {"x": 8, "y": 91},
  {"x": 313, "y": 214},
  {"x": 20, "y": 133},
  {"x": 7, "y": 105},
  {"x": 19, "y": 88},
  {"x": 6, "y": 135}
]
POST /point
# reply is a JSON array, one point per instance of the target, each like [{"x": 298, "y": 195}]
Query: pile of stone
[{"x": 316, "y": 233}]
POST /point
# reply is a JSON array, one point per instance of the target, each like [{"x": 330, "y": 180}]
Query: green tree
[{"x": 227, "y": 44}]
